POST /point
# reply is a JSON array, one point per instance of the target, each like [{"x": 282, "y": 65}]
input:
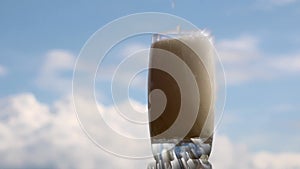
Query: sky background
[{"x": 258, "y": 42}]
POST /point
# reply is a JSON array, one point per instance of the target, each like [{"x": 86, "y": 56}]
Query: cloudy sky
[{"x": 39, "y": 41}]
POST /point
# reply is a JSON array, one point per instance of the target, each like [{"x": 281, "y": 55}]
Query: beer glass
[{"x": 181, "y": 99}]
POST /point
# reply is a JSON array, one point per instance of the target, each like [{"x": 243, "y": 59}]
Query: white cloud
[
  {"x": 56, "y": 71},
  {"x": 36, "y": 135},
  {"x": 279, "y": 2},
  {"x": 240, "y": 57},
  {"x": 132, "y": 48},
  {"x": 3, "y": 70},
  {"x": 288, "y": 64},
  {"x": 284, "y": 108},
  {"x": 126, "y": 69},
  {"x": 264, "y": 160},
  {"x": 229, "y": 155},
  {"x": 270, "y": 4},
  {"x": 240, "y": 50},
  {"x": 244, "y": 61}
]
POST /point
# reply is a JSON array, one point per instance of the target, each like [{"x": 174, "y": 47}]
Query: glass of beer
[{"x": 181, "y": 99}]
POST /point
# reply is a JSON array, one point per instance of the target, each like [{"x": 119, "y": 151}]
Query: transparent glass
[{"x": 181, "y": 100}]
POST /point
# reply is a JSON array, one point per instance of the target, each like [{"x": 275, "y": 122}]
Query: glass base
[{"x": 185, "y": 154}]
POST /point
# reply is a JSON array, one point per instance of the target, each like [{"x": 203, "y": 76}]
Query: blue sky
[{"x": 257, "y": 41}]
